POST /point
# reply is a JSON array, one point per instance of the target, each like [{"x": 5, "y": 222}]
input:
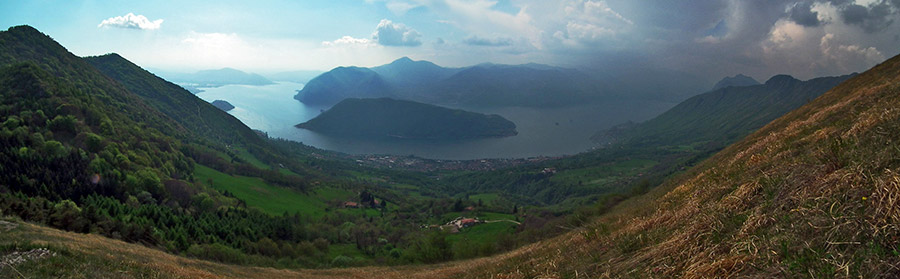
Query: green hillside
[
  {"x": 722, "y": 116},
  {"x": 99, "y": 145},
  {"x": 180, "y": 105}
]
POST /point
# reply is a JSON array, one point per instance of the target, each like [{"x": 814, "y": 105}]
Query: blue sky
[{"x": 702, "y": 37}]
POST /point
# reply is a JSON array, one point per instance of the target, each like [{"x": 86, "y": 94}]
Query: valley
[{"x": 587, "y": 141}]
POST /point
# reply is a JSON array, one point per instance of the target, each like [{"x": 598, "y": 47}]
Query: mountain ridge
[
  {"x": 481, "y": 85},
  {"x": 216, "y": 78},
  {"x": 724, "y": 115}
]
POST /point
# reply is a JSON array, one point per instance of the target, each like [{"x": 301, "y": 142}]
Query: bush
[
  {"x": 342, "y": 261},
  {"x": 217, "y": 252}
]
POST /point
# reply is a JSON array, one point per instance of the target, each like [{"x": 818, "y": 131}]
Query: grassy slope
[
  {"x": 813, "y": 194},
  {"x": 94, "y": 256},
  {"x": 257, "y": 193}
]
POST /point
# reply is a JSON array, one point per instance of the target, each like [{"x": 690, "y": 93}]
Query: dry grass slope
[{"x": 814, "y": 194}]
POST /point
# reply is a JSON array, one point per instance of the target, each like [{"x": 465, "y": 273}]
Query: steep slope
[
  {"x": 736, "y": 81},
  {"x": 63, "y": 115},
  {"x": 343, "y": 82},
  {"x": 812, "y": 194},
  {"x": 180, "y": 105},
  {"x": 720, "y": 117},
  {"x": 389, "y": 118}
]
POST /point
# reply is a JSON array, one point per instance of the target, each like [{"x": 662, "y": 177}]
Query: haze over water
[{"x": 542, "y": 131}]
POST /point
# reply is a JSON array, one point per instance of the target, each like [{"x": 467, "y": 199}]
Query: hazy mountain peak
[
  {"x": 781, "y": 80},
  {"x": 737, "y": 80},
  {"x": 404, "y": 59}
]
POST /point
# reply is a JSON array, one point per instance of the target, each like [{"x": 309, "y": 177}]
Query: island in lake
[
  {"x": 390, "y": 118},
  {"x": 223, "y": 105}
]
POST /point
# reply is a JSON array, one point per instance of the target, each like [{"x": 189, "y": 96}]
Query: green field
[
  {"x": 249, "y": 158},
  {"x": 479, "y": 240},
  {"x": 257, "y": 193}
]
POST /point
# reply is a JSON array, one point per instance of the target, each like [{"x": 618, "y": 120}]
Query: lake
[{"x": 542, "y": 131}]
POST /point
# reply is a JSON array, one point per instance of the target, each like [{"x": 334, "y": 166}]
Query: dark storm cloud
[
  {"x": 874, "y": 18},
  {"x": 803, "y": 14}
]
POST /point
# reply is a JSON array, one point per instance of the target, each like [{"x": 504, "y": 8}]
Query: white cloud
[
  {"x": 349, "y": 41},
  {"x": 588, "y": 32},
  {"x": 399, "y": 7},
  {"x": 848, "y": 57},
  {"x": 601, "y": 9},
  {"x": 131, "y": 21},
  {"x": 482, "y": 41},
  {"x": 480, "y": 17},
  {"x": 587, "y": 23},
  {"x": 388, "y": 33}
]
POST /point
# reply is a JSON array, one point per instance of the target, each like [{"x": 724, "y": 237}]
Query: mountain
[
  {"x": 483, "y": 85},
  {"x": 737, "y": 81},
  {"x": 215, "y": 78},
  {"x": 341, "y": 83},
  {"x": 389, "y": 118},
  {"x": 721, "y": 116},
  {"x": 405, "y": 71},
  {"x": 223, "y": 105}
]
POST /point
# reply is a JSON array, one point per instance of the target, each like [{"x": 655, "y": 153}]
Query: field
[{"x": 268, "y": 198}]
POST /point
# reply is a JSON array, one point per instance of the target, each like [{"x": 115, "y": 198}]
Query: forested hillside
[
  {"x": 100, "y": 145},
  {"x": 722, "y": 116},
  {"x": 389, "y": 118}
]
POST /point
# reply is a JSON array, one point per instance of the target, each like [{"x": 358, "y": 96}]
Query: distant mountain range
[
  {"x": 483, "y": 85},
  {"x": 724, "y": 115},
  {"x": 389, "y": 118},
  {"x": 214, "y": 78}
]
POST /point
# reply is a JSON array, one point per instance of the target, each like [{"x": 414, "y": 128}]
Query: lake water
[{"x": 542, "y": 132}]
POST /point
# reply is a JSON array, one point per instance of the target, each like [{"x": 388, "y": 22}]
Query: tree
[{"x": 67, "y": 215}]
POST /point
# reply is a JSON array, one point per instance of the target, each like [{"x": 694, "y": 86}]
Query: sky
[{"x": 714, "y": 38}]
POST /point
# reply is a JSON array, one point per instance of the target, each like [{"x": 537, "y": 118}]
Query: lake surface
[{"x": 542, "y": 131}]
